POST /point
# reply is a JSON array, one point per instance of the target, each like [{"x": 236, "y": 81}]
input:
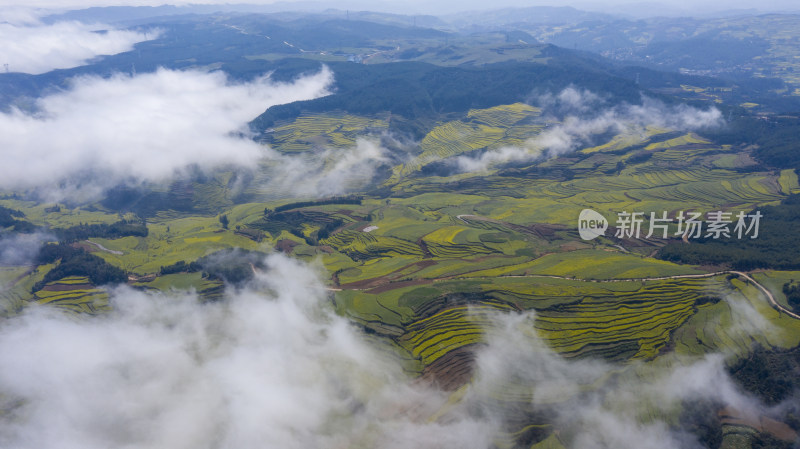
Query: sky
[{"x": 445, "y": 6}]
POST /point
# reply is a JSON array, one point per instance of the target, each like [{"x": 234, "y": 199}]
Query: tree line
[
  {"x": 76, "y": 262},
  {"x": 122, "y": 228}
]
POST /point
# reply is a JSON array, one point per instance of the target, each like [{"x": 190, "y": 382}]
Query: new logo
[{"x": 591, "y": 224}]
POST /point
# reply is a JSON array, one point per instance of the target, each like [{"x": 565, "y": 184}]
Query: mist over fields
[
  {"x": 144, "y": 128},
  {"x": 269, "y": 365},
  {"x": 272, "y": 363},
  {"x": 582, "y": 116}
]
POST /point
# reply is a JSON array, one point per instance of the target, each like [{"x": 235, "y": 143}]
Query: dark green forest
[
  {"x": 775, "y": 247},
  {"x": 415, "y": 90},
  {"x": 76, "y": 262},
  {"x": 122, "y": 228}
]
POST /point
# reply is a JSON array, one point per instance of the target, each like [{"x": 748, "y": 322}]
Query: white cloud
[
  {"x": 150, "y": 128},
  {"x": 599, "y": 404},
  {"x": 498, "y": 156},
  {"x": 570, "y": 101},
  {"x": 21, "y": 15},
  {"x": 269, "y": 365},
  {"x": 146, "y": 128},
  {"x": 30, "y": 47},
  {"x": 327, "y": 172},
  {"x": 20, "y": 249}
]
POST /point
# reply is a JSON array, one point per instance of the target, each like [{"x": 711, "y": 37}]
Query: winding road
[
  {"x": 771, "y": 298},
  {"x": 103, "y": 248}
]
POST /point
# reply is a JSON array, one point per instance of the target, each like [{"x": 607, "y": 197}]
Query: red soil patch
[
  {"x": 85, "y": 246},
  {"x": 762, "y": 423},
  {"x": 66, "y": 287},
  {"x": 286, "y": 246},
  {"x": 452, "y": 370}
]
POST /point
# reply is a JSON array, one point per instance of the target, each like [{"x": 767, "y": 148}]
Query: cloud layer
[
  {"x": 20, "y": 249},
  {"x": 39, "y": 48},
  {"x": 272, "y": 365},
  {"x": 144, "y": 128},
  {"x": 269, "y": 366},
  {"x": 597, "y": 404}
]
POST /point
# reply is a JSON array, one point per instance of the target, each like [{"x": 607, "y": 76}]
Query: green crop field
[
  {"x": 591, "y": 264},
  {"x": 170, "y": 241},
  {"x": 623, "y": 320},
  {"x": 482, "y": 128},
  {"x": 310, "y": 131}
]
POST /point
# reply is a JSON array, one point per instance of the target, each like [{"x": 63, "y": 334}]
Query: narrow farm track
[
  {"x": 103, "y": 248},
  {"x": 771, "y": 298}
]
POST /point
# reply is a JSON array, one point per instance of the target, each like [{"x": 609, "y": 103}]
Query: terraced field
[
  {"x": 16, "y": 283},
  {"x": 361, "y": 245},
  {"x": 323, "y": 130},
  {"x": 522, "y": 213},
  {"x": 440, "y": 325},
  {"x": 625, "y": 324},
  {"x": 507, "y": 125},
  {"x": 74, "y": 293},
  {"x": 590, "y": 264},
  {"x": 626, "y": 139}
]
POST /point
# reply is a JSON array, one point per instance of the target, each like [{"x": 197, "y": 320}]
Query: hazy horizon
[{"x": 623, "y": 8}]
